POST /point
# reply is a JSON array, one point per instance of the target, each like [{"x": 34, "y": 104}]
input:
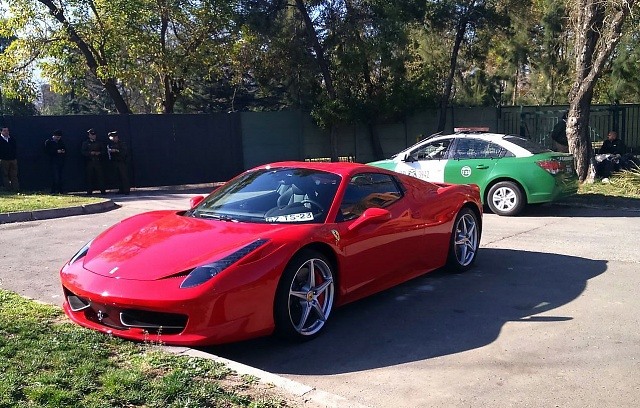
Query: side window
[
  {"x": 431, "y": 151},
  {"x": 368, "y": 190},
  {"x": 494, "y": 151},
  {"x": 477, "y": 149}
]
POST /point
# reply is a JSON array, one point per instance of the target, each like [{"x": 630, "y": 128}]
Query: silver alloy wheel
[
  {"x": 466, "y": 239},
  {"x": 311, "y": 296},
  {"x": 504, "y": 199}
]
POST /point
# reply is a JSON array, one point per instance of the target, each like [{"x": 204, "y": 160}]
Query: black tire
[
  {"x": 305, "y": 296},
  {"x": 506, "y": 198},
  {"x": 464, "y": 242}
]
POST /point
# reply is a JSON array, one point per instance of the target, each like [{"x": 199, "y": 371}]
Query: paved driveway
[{"x": 549, "y": 317}]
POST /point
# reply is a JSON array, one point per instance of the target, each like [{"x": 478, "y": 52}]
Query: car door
[
  {"x": 375, "y": 255},
  {"x": 471, "y": 161},
  {"x": 427, "y": 161}
]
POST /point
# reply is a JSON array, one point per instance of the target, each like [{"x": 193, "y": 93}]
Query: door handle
[{"x": 482, "y": 167}]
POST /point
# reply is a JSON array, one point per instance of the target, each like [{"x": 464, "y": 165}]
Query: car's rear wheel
[
  {"x": 305, "y": 296},
  {"x": 465, "y": 241},
  {"x": 505, "y": 198}
]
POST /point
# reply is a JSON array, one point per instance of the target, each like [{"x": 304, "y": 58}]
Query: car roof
[{"x": 497, "y": 138}]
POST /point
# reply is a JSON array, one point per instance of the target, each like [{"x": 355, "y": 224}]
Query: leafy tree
[
  {"x": 144, "y": 53},
  {"x": 349, "y": 60},
  {"x": 12, "y": 100},
  {"x": 620, "y": 81},
  {"x": 461, "y": 21},
  {"x": 598, "y": 27},
  {"x": 551, "y": 56}
]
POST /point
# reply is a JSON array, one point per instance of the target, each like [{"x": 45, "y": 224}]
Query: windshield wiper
[{"x": 221, "y": 217}]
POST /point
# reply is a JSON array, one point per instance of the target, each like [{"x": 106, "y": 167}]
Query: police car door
[
  {"x": 427, "y": 161},
  {"x": 471, "y": 161}
]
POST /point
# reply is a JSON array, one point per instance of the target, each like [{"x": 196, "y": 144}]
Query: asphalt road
[{"x": 549, "y": 317}]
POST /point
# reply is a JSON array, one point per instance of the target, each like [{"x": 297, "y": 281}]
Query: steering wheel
[{"x": 314, "y": 203}]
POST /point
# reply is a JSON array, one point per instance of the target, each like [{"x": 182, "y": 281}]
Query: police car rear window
[{"x": 531, "y": 146}]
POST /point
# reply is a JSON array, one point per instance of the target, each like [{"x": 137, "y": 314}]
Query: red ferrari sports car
[{"x": 273, "y": 250}]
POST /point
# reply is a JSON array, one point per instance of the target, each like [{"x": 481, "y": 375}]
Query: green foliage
[
  {"x": 154, "y": 52},
  {"x": 46, "y": 361},
  {"x": 385, "y": 59},
  {"x": 620, "y": 81},
  {"x": 627, "y": 182}
]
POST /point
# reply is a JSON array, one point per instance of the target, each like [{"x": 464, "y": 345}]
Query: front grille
[
  {"x": 126, "y": 319},
  {"x": 153, "y": 321}
]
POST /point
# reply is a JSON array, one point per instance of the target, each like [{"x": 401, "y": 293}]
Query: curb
[
  {"x": 38, "y": 215},
  {"x": 309, "y": 395}
]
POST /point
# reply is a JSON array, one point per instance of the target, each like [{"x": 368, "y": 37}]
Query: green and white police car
[{"x": 511, "y": 171}]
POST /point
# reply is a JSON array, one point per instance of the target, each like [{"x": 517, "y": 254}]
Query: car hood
[
  {"x": 388, "y": 164},
  {"x": 161, "y": 245}
]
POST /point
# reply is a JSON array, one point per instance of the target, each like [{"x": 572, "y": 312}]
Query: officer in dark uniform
[
  {"x": 118, "y": 154},
  {"x": 93, "y": 151},
  {"x": 55, "y": 149}
]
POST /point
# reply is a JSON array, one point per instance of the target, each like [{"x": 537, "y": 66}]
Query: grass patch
[
  {"x": 10, "y": 202},
  {"x": 46, "y": 361},
  {"x": 622, "y": 190}
]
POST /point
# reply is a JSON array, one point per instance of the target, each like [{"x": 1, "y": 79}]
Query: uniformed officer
[
  {"x": 55, "y": 149},
  {"x": 93, "y": 151},
  {"x": 119, "y": 156}
]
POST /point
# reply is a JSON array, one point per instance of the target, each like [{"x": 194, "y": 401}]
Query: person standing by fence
[
  {"x": 92, "y": 149},
  {"x": 118, "y": 156},
  {"x": 55, "y": 149},
  {"x": 9, "y": 161},
  {"x": 559, "y": 135}
]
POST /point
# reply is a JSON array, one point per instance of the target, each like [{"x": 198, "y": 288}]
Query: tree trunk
[
  {"x": 324, "y": 70},
  {"x": 317, "y": 48},
  {"x": 578, "y": 136},
  {"x": 375, "y": 141},
  {"x": 453, "y": 63},
  {"x": 597, "y": 35},
  {"x": 111, "y": 86},
  {"x": 333, "y": 142}
]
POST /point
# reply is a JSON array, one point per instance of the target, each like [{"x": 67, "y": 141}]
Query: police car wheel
[{"x": 505, "y": 198}]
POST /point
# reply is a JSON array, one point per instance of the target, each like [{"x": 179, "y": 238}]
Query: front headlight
[
  {"x": 81, "y": 253},
  {"x": 203, "y": 273}
]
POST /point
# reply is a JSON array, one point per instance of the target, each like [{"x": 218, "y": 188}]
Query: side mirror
[
  {"x": 408, "y": 158},
  {"x": 195, "y": 200},
  {"x": 370, "y": 216}
]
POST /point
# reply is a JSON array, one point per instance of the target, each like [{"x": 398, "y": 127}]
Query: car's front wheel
[
  {"x": 464, "y": 242},
  {"x": 305, "y": 296},
  {"x": 505, "y": 198}
]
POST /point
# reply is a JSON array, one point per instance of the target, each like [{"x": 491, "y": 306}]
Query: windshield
[{"x": 282, "y": 195}]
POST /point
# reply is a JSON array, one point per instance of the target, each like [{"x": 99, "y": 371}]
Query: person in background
[
  {"x": 613, "y": 145},
  {"x": 55, "y": 149},
  {"x": 9, "y": 161},
  {"x": 92, "y": 150},
  {"x": 118, "y": 156},
  {"x": 559, "y": 135},
  {"x": 610, "y": 155}
]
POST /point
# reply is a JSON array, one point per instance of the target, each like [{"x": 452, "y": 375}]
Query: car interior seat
[{"x": 292, "y": 195}]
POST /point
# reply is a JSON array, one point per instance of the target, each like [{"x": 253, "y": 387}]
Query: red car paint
[{"x": 137, "y": 266}]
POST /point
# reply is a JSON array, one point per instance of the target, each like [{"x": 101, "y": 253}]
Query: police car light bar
[{"x": 470, "y": 129}]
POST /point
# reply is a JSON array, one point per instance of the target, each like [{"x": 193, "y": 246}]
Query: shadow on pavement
[
  {"x": 577, "y": 210},
  {"x": 434, "y": 315}
]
